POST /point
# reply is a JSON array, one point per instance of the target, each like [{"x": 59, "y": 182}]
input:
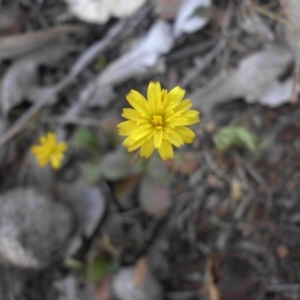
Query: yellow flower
[
  {"x": 49, "y": 151},
  {"x": 159, "y": 122}
]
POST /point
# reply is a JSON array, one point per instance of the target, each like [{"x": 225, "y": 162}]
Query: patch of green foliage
[
  {"x": 87, "y": 140},
  {"x": 237, "y": 136},
  {"x": 98, "y": 267}
]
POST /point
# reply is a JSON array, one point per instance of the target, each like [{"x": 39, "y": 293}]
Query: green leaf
[
  {"x": 117, "y": 165},
  {"x": 237, "y": 136},
  {"x": 100, "y": 63},
  {"x": 98, "y": 267},
  {"x": 92, "y": 169},
  {"x": 86, "y": 139}
]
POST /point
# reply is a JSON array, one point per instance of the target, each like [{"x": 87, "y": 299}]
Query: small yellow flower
[
  {"x": 159, "y": 122},
  {"x": 49, "y": 151}
]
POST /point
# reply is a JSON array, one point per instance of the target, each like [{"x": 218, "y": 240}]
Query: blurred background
[{"x": 221, "y": 221}]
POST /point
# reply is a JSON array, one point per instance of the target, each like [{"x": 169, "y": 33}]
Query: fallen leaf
[
  {"x": 145, "y": 53},
  {"x": 21, "y": 78},
  {"x": 192, "y": 16},
  {"x": 258, "y": 72},
  {"x": 99, "y": 11},
  {"x": 253, "y": 80},
  {"x": 141, "y": 60},
  {"x": 154, "y": 197},
  {"x": 141, "y": 270},
  {"x": 102, "y": 97},
  {"x": 88, "y": 203},
  {"x": 21, "y": 44},
  {"x": 279, "y": 93},
  {"x": 117, "y": 165},
  {"x": 124, "y": 287}
]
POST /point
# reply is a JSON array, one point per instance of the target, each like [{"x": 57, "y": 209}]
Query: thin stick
[
  {"x": 135, "y": 158},
  {"x": 21, "y": 122}
]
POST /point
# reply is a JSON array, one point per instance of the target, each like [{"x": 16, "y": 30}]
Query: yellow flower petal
[
  {"x": 193, "y": 120},
  {"x": 192, "y": 115},
  {"x": 137, "y": 101},
  {"x": 36, "y": 149},
  {"x": 158, "y": 133},
  {"x": 61, "y": 147},
  {"x": 51, "y": 137},
  {"x": 186, "y": 134},
  {"x": 128, "y": 141},
  {"x": 43, "y": 140},
  {"x": 49, "y": 151},
  {"x": 136, "y": 144},
  {"x": 43, "y": 161},
  {"x": 142, "y": 131},
  {"x": 147, "y": 148},
  {"x": 174, "y": 97},
  {"x": 126, "y": 127},
  {"x": 166, "y": 150},
  {"x": 158, "y": 122},
  {"x": 151, "y": 95},
  {"x": 173, "y": 137},
  {"x": 55, "y": 162},
  {"x": 163, "y": 98},
  {"x": 180, "y": 121},
  {"x": 131, "y": 114},
  {"x": 183, "y": 106},
  {"x": 157, "y": 99}
]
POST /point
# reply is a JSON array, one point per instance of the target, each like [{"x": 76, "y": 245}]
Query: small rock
[{"x": 33, "y": 227}]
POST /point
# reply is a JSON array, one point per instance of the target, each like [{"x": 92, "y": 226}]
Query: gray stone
[{"x": 34, "y": 227}]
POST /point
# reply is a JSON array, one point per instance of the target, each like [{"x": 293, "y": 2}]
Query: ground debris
[{"x": 117, "y": 226}]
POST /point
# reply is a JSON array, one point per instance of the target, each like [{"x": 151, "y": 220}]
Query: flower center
[{"x": 157, "y": 121}]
